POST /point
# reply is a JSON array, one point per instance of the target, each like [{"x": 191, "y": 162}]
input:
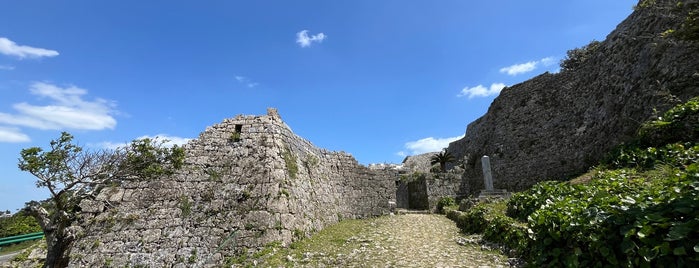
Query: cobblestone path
[{"x": 410, "y": 240}]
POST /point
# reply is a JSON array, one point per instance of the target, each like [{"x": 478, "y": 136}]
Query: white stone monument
[{"x": 489, "y": 190}]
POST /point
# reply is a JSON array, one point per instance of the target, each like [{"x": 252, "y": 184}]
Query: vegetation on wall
[
  {"x": 578, "y": 56},
  {"x": 290, "y": 161},
  {"x": 640, "y": 208}
]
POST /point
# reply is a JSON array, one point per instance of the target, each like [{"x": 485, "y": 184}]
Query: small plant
[
  {"x": 284, "y": 192},
  {"x": 235, "y": 137},
  {"x": 185, "y": 206},
  {"x": 290, "y": 160},
  {"x": 193, "y": 257},
  {"x": 278, "y": 225},
  {"x": 214, "y": 175}
]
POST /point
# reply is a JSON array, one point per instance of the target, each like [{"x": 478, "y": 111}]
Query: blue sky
[{"x": 377, "y": 79}]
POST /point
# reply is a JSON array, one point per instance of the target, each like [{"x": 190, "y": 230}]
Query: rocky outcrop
[
  {"x": 555, "y": 126},
  {"x": 247, "y": 182}
]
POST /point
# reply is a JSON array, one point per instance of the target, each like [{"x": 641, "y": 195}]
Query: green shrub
[
  {"x": 496, "y": 227},
  {"x": 621, "y": 218},
  {"x": 18, "y": 224},
  {"x": 443, "y": 202}
]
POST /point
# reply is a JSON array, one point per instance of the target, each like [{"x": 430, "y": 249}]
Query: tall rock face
[
  {"x": 247, "y": 182},
  {"x": 555, "y": 126}
]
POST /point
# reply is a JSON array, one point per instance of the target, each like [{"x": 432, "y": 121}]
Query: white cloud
[
  {"x": 66, "y": 110},
  {"x": 8, "y": 134},
  {"x": 528, "y": 66},
  {"x": 246, "y": 81},
  {"x": 305, "y": 41},
  {"x": 427, "y": 145},
  {"x": 7, "y": 67},
  {"x": 170, "y": 141},
  {"x": 10, "y": 48},
  {"x": 548, "y": 61},
  {"x": 519, "y": 68},
  {"x": 481, "y": 91}
]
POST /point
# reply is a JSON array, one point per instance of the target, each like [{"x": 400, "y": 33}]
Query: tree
[
  {"x": 72, "y": 174},
  {"x": 442, "y": 159}
]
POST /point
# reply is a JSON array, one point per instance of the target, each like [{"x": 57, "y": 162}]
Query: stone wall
[
  {"x": 247, "y": 182},
  {"x": 422, "y": 191},
  {"x": 556, "y": 126}
]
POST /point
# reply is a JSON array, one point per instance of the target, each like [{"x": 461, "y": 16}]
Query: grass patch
[{"x": 332, "y": 240}]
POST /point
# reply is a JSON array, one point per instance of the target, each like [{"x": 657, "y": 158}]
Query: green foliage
[
  {"x": 645, "y": 4},
  {"x": 676, "y": 155},
  {"x": 576, "y": 57},
  {"x": 18, "y": 224},
  {"x": 643, "y": 212},
  {"x": 235, "y": 137},
  {"x": 621, "y": 218},
  {"x": 677, "y": 125},
  {"x": 442, "y": 159},
  {"x": 290, "y": 160},
  {"x": 148, "y": 158},
  {"x": 443, "y": 202},
  {"x": 490, "y": 220},
  {"x": 185, "y": 206},
  {"x": 523, "y": 204},
  {"x": 192, "y": 257},
  {"x": 669, "y": 140},
  {"x": 689, "y": 29}
]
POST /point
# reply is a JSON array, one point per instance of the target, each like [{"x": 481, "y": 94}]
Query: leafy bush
[
  {"x": 523, "y": 204},
  {"x": 643, "y": 212},
  {"x": 620, "y": 219},
  {"x": 18, "y": 224},
  {"x": 490, "y": 220},
  {"x": 443, "y": 202}
]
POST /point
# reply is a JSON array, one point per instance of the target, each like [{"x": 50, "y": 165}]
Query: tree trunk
[
  {"x": 58, "y": 241},
  {"x": 57, "y": 246}
]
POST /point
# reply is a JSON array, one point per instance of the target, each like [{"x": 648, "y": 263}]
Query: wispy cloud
[
  {"x": 10, "y": 48},
  {"x": 304, "y": 40},
  {"x": 481, "y": 91},
  {"x": 246, "y": 81},
  {"x": 526, "y": 67},
  {"x": 519, "y": 68},
  {"x": 67, "y": 110},
  {"x": 7, "y": 67},
  {"x": 11, "y": 134},
  {"x": 427, "y": 145},
  {"x": 169, "y": 141}
]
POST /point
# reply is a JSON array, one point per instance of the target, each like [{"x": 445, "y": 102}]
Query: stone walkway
[{"x": 411, "y": 240}]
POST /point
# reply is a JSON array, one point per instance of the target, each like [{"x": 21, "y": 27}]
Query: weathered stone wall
[
  {"x": 423, "y": 190},
  {"x": 247, "y": 181},
  {"x": 555, "y": 126}
]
